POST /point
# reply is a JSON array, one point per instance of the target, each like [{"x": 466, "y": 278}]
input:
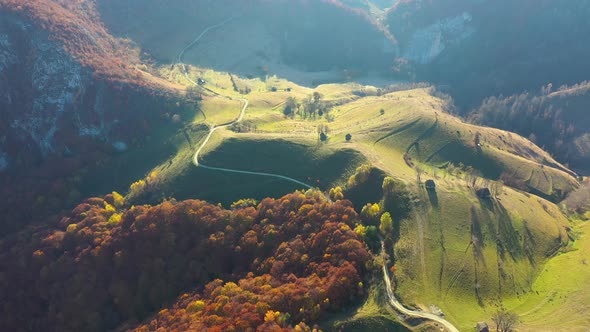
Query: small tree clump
[
  {"x": 290, "y": 107},
  {"x": 505, "y": 320},
  {"x": 386, "y": 225},
  {"x": 336, "y": 194},
  {"x": 370, "y": 214}
]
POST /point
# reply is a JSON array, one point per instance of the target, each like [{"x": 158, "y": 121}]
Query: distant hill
[
  {"x": 93, "y": 99},
  {"x": 287, "y": 38},
  {"x": 557, "y": 120},
  {"x": 483, "y": 48},
  {"x": 487, "y": 50}
]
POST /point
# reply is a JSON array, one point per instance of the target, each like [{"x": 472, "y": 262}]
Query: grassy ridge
[
  {"x": 466, "y": 255},
  {"x": 303, "y": 161}
]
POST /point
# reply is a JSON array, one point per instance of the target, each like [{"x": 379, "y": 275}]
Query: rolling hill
[
  {"x": 304, "y": 41},
  {"x": 271, "y": 99},
  {"x": 464, "y": 253}
]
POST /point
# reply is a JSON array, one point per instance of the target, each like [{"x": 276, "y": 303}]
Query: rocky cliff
[
  {"x": 56, "y": 119},
  {"x": 481, "y": 48}
]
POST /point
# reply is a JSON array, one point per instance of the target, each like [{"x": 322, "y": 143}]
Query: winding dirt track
[
  {"x": 213, "y": 128},
  {"x": 394, "y": 302}
]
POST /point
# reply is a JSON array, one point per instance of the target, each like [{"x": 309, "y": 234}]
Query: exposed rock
[
  {"x": 48, "y": 100},
  {"x": 58, "y": 119},
  {"x": 436, "y": 310},
  {"x": 56, "y": 78},
  {"x": 7, "y": 54},
  {"x": 427, "y": 43}
]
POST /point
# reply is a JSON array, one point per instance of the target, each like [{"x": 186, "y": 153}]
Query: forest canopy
[{"x": 279, "y": 265}]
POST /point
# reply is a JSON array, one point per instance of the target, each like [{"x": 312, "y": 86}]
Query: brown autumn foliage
[{"x": 269, "y": 267}]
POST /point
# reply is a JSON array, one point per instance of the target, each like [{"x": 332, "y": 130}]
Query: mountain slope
[
  {"x": 460, "y": 43},
  {"x": 554, "y": 119},
  {"x": 293, "y": 39},
  {"x": 62, "y": 110}
]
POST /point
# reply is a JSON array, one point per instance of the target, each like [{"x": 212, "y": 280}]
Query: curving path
[
  {"x": 213, "y": 128},
  {"x": 394, "y": 302}
]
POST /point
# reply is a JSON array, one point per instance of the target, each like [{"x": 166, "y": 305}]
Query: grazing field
[
  {"x": 469, "y": 255},
  {"x": 465, "y": 254},
  {"x": 559, "y": 297}
]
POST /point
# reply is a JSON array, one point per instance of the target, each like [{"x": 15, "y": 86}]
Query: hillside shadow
[
  {"x": 508, "y": 239},
  {"x": 368, "y": 191},
  {"x": 487, "y": 204},
  {"x": 433, "y": 198},
  {"x": 509, "y": 236},
  {"x": 477, "y": 237},
  {"x": 529, "y": 243}
]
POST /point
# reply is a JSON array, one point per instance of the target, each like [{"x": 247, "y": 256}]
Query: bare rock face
[
  {"x": 57, "y": 121},
  {"x": 55, "y": 81},
  {"x": 41, "y": 91},
  {"x": 427, "y": 43}
]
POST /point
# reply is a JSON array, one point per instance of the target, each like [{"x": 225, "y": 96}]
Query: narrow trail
[
  {"x": 394, "y": 302},
  {"x": 213, "y": 128}
]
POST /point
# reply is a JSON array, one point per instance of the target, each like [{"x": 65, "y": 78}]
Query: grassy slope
[
  {"x": 411, "y": 116},
  {"x": 452, "y": 246},
  {"x": 561, "y": 296},
  {"x": 374, "y": 315},
  {"x": 440, "y": 259}
]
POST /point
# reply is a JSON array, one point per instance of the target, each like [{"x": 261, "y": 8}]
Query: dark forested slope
[
  {"x": 69, "y": 99},
  {"x": 483, "y": 48}
]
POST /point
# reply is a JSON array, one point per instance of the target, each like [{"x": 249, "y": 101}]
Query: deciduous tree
[{"x": 505, "y": 320}]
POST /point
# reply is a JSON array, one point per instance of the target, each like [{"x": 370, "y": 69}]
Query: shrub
[
  {"x": 118, "y": 200},
  {"x": 115, "y": 219},
  {"x": 195, "y": 306}
]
